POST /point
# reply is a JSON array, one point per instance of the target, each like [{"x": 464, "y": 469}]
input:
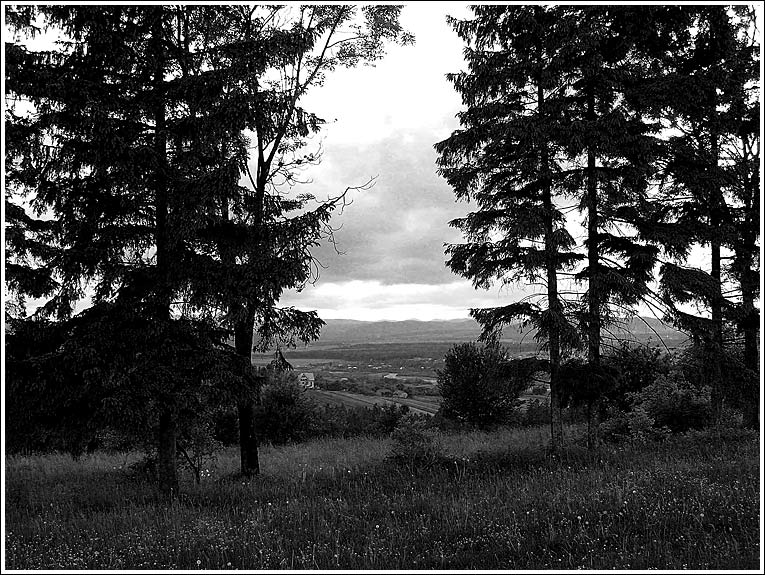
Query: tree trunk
[
  {"x": 553, "y": 303},
  {"x": 248, "y": 432},
  {"x": 750, "y": 326},
  {"x": 716, "y": 339},
  {"x": 593, "y": 292},
  {"x": 554, "y": 307},
  {"x": 248, "y": 439},
  {"x": 166, "y": 450},
  {"x": 749, "y": 279},
  {"x": 167, "y": 470},
  {"x": 752, "y": 363}
]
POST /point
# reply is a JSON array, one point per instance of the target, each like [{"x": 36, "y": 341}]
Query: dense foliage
[
  {"x": 128, "y": 142},
  {"x": 480, "y": 384},
  {"x": 643, "y": 119}
]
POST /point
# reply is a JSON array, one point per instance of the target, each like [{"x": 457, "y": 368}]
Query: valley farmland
[{"x": 362, "y": 363}]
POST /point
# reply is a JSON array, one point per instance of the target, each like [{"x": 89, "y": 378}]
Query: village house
[{"x": 307, "y": 380}]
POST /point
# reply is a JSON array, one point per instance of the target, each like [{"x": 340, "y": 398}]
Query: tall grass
[{"x": 494, "y": 501}]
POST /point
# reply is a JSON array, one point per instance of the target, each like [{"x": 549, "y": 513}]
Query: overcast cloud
[
  {"x": 383, "y": 122},
  {"x": 395, "y": 231}
]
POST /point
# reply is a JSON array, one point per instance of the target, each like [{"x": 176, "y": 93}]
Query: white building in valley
[{"x": 307, "y": 380}]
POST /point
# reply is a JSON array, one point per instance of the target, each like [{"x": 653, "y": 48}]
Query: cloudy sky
[{"x": 383, "y": 122}]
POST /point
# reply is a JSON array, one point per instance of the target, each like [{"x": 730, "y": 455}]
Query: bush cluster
[
  {"x": 287, "y": 415},
  {"x": 654, "y": 397},
  {"x": 672, "y": 402},
  {"x": 480, "y": 384},
  {"x": 415, "y": 441}
]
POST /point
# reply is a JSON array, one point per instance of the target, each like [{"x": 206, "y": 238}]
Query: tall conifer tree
[
  {"x": 504, "y": 159},
  {"x": 610, "y": 151},
  {"x": 112, "y": 112},
  {"x": 704, "y": 93},
  {"x": 263, "y": 238},
  {"x": 142, "y": 116}
]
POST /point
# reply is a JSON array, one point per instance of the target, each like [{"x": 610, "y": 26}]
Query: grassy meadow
[{"x": 492, "y": 501}]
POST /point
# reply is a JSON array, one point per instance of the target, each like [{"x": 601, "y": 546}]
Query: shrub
[
  {"x": 226, "y": 427},
  {"x": 615, "y": 426},
  {"x": 636, "y": 425},
  {"x": 284, "y": 414},
  {"x": 634, "y": 367},
  {"x": 332, "y": 385},
  {"x": 387, "y": 417},
  {"x": 740, "y": 383},
  {"x": 581, "y": 382},
  {"x": 446, "y": 424},
  {"x": 536, "y": 413},
  {"x": 479, "y": 385},
  {"x": 539, "y": 390},
  {"x": 640, "y": 424},
  {"x": 342, "y": 421},
  {"x": 674, "y": 403},
  {"x": 198, "y": 449},
  {"x": 415, "y": 442}
]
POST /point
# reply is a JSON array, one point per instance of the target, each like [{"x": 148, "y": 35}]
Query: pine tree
[
  {"x": 264, "y": 236},
  {"x": 112, "y": 112},
  {"x": 610, "y": 151},
  {"x": 578, "y": 64},
  {"x": 26, "y": 245},
  {"x": 157, "y": 137},
  {"x": 504, "y": 158},
  {"x": 741, "y": 156},
  {"x": 701, "y": 92}
]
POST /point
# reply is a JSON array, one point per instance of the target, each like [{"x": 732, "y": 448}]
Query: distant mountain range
[{"x": 350, "y": 332}]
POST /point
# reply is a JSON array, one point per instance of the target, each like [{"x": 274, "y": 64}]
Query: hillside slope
[{"x": 340, "y": 332}]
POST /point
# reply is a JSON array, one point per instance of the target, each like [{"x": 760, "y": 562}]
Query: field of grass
[{"x": 493, "y": 501}]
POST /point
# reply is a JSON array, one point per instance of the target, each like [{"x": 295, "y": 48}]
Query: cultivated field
[
  {"x": 492, "y": 501},
  {"x": 427, "y": 405}
]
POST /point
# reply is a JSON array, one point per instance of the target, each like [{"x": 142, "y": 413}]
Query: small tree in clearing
[{"x": 480, "y": 386}]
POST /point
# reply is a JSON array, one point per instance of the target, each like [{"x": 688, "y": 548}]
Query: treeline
[
  {"x": 392, "y": 352},
  {"x": 149, "y": 157},
  {"x": 611, "y": 157},
  {"x": 645, "y": 393}
]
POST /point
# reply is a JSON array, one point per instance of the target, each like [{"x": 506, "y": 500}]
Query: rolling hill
[{"x": 345, "y": 332}]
